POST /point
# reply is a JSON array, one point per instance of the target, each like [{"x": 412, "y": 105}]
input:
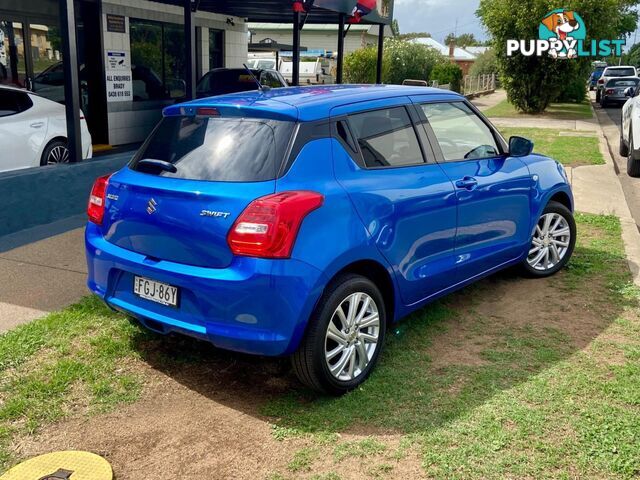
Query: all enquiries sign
[{"x": 118, "y": 76}]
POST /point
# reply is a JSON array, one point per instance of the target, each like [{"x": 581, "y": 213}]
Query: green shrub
[
  {"x": 448, "y": 73},
  {"x": 401, "y": 60}
]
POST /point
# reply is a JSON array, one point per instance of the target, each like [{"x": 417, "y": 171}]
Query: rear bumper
[{"x": 254, "y": 306}]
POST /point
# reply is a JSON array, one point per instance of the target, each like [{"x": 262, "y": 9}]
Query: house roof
[
  {"x": 476, "y": 49},
  {"x": 458, "y": 53}
]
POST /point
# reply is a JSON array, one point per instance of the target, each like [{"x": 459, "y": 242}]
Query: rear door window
[
  {"x": 386, "y": 138},
  {"x": 216, "y": 149},
  {"x": 13, "y": 102}
]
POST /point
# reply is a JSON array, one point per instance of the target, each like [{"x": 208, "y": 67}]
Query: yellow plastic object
[{"x": 71, "y": 465}]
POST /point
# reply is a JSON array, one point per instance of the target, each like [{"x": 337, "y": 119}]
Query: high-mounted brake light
[
  {"x": 208, "y": 111},
  {"x": 97, "y": 198},
  {"x": 268, "y": 227}
]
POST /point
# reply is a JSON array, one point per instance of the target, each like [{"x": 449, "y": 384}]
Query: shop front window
[{"x": 157, "y": 60}]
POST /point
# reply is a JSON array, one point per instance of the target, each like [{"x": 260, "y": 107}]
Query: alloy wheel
[
  {"x": 352, "y": 336},
  {"x": 550, "y": 242},
  {"x": 58, "y": 154}
]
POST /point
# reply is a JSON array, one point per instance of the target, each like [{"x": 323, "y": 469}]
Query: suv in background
[
  {"x": 221, "y": 81},
  {"x": 612, "y": 72}
]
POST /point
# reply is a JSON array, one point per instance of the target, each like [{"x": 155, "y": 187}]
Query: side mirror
[
  {"x": 520, "y": 146},
  {"x": 628, "y": 92}
]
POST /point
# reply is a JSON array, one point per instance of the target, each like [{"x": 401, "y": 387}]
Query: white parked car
[
  {"x": 612, "y": 72},
  {"x": 33, "y": 131},
  {"x": 630, "y": 131}
]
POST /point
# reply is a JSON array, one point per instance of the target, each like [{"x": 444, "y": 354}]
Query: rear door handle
[
  {"x": 468, "y": 183},
  {"x": 36, "y": 124}
]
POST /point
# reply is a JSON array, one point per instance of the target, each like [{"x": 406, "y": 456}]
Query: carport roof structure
[{"x": 273, "y": 11}]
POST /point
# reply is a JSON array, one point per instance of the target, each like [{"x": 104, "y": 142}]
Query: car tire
[
  {"x": 552, "y": 243},
  {"x": 55, "y": 152},
  {"x": 335, "y": 357},
  {"x": 633, "y": 159},
  {"x": 623, "y": 149},
  {"x": 603, "y": 102},
  {"x": 598, "y": 95}
]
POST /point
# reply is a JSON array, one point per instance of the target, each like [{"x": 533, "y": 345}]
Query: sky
[{"x": 438, "y": 17}]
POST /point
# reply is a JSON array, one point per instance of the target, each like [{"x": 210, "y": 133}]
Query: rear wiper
[{"x": 160, "y": 164}]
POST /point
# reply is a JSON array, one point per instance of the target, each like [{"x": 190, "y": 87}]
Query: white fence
[{"x": 479, "y": 84}]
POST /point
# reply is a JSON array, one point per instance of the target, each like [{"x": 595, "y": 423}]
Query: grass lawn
[
  {"x": 566, "y": 147},
  {"x": 509, "y": 378},
  {"x": 556, "y": 111}
]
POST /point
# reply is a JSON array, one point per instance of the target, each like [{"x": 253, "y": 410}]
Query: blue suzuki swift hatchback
[{"x": 303, "y": 222}]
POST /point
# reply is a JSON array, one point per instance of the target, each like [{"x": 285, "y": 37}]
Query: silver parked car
[{"x": 614, "y": 90}]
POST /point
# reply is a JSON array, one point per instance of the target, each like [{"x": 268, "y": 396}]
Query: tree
[
  {"x": 632, "y": 57},
  {"x": 534, "y": 82},
  {"x": 463, "y": 40},
  {"x": 412, "y": 35},
  {"x": 401, "y": 60},
  {"x": 485, "y": 63},
  {"x": 395, "y": 27}
]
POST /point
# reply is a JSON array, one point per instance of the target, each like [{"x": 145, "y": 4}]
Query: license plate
[{"x": 155, "y": 291}]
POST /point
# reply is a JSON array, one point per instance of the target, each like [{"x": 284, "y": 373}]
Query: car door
[
  {"x": 493, "y": 189},
  {"x": 21, "y": 131},
  {"x": 404, "y": 199}
]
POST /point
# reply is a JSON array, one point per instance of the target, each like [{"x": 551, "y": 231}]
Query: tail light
[
  {"x": 601, "y": 81},
  {"x": 608, "y": 91},
  {"x": 268, "y": 227},
  {"x": 95, "y": 209}
]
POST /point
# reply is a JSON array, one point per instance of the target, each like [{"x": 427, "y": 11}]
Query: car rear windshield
[
  {"x": 620, "y": 72},
  {"x": 215, "y": 149},
  {"x": 623, "y": 82}
]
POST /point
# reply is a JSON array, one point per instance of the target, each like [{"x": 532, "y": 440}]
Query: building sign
[
  {"x": 115, "y": 23},
  {"x": 118, "y": 60},
  {"x": 118, "y": 75}
]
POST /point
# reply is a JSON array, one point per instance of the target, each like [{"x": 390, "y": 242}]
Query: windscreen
[
  {"x": 216, "y": 149},
  {"x": 620, "y": 72}
]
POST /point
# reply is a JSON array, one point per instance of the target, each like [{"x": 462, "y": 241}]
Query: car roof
[
  {"x": 616, "y": 79},
  {"x": 308, "y": 103}
]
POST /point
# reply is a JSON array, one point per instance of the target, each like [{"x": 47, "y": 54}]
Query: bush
[
  {"x": 448, "y": 73},
  {"x": 401, "y": 60},
  {"x": 574, "y": 91},
  {"x": 485, "y": 64}
]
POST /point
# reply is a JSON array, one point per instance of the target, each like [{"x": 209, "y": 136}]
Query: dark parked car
[
  {"x": 220, "y": 81},
  {"x": 595, "y": 75}
]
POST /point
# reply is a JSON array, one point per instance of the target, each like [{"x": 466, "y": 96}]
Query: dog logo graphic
[{"x": 562, "y": 28}]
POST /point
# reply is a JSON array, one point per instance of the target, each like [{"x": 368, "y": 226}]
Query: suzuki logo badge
[{"x": 151, "y": 206}]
